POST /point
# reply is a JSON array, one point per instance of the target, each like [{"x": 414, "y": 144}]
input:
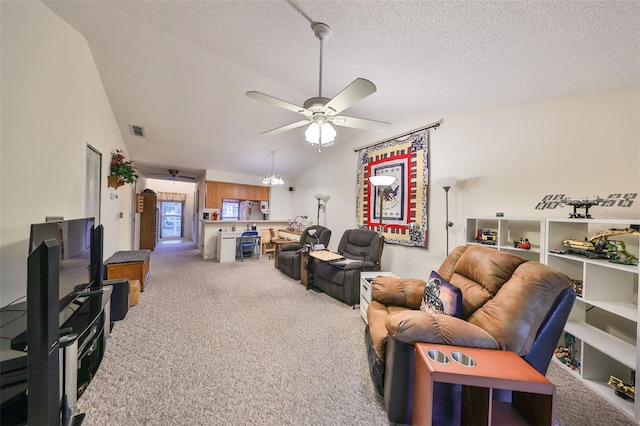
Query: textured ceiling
[{"x": 181, "y": 69}]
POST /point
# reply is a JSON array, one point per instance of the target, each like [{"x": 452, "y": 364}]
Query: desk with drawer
[{"x": 228, "y": 245}]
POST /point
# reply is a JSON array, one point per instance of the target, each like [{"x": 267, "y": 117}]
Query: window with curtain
[
  {"x": 171, "y": 214},
  {"x": 177, "y": 197}
]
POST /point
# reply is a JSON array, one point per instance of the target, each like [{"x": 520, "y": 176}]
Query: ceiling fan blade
[
  {"x": 360, "y": 123},
  {"x": 285, "y": 128},
  {"x": 359, "y": 89},
  {"x": 279, "y": 103}
]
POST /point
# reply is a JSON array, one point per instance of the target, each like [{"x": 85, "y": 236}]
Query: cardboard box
[{"x": 134, "y": 292}]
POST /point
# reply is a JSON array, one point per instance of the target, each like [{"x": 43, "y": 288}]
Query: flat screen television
[{"x": 75, "y": 239}]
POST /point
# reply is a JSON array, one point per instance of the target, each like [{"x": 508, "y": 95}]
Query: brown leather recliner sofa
[{"x": 508, "y": 303}]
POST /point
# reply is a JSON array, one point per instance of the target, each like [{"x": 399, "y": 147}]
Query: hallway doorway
[{"x": 171, "y": 218}]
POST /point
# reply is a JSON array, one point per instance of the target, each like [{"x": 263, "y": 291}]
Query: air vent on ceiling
[{"x": 136, "y": 130}]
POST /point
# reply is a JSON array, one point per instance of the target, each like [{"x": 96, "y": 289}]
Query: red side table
[{"x": 533, "y": 397}]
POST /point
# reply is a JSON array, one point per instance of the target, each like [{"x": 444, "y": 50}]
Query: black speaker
[
  {"x": 119, "y": 297},
  {"x": 43, "y": 331},
  {"x": 291, "y": 189}
]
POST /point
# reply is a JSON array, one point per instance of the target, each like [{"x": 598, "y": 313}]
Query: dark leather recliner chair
[
  {"x": 509, "y": 303},
  {"x": 289, "y": 253},
  {"x": 343, "y": 283}
]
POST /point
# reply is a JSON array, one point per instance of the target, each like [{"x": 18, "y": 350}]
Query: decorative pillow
[{"x": 441, "y": 297}]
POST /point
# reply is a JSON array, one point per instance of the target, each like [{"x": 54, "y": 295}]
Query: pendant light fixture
[{"x": 272, "y": 178}]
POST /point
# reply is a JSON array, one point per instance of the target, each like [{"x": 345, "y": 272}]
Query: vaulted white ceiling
[{"x": 180, "y": 69}]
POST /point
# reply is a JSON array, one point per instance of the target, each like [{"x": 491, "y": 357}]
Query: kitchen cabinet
[{"x": 216, "y": 191}]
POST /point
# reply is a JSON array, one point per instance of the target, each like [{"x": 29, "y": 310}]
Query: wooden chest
[{"x": 133, "y": 265}]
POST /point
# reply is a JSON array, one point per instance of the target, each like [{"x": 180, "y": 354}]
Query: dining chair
[
  {"x": 249, "y": 245},
  {"x": 267, "y": 244}
]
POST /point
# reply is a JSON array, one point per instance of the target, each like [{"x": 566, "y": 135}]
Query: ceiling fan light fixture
[{"x": 322, "y": 133}]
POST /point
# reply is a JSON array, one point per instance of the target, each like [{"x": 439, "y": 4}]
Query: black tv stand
[{"x": 85, "y": 313}]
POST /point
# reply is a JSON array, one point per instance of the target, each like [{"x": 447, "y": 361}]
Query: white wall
[
  {"x": 506, "y": 159},
  {"x": 53, "y": 104}
]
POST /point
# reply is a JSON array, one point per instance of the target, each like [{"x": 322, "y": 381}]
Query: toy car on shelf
[
  {"x": 487, "y": 237},
  {"x": 556, "y": 251},
  {"x": 623, "y": 390},
  {"x": 599, "y": 246},
  {"x": 522, "y": 243}
]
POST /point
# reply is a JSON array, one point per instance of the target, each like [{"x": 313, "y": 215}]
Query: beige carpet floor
[{"x": 242, "y": 344}]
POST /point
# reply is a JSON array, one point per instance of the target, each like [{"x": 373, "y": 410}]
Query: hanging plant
[{"x": 123, "y": 168}]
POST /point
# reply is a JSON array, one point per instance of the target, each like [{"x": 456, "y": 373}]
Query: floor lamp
[
  {"x": 446, "y": 183},
  {"x": 322, "y": 202},
  {"x": 383, "y": 184}
]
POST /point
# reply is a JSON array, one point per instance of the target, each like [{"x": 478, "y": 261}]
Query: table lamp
[{"x": 313, "y": 233}]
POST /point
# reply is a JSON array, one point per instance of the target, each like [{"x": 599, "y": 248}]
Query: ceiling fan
[
  {"x": 172, "y": 175},
  {"x": 321, "y": 112}
]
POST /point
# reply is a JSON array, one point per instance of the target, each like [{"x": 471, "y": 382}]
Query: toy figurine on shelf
[
  {"x": 577, "y": 286},
  {"x": 522, "y": 243},
  {"x": 567, "y": 354}
]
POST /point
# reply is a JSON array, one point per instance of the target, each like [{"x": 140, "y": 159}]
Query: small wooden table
[
  {"x": 533, "y": 397},
  {"x": 325, "y": 255}
]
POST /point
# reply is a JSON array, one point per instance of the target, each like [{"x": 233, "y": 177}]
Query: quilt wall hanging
[{"x": 405, "y": 207}]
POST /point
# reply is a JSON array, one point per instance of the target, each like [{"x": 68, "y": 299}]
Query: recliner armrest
[
  {"x": 396, "y": 291},
  {"x": 347, "y": 264},
  {"x": 411, "y": 326},
  {"x": 290, "y": 246}
]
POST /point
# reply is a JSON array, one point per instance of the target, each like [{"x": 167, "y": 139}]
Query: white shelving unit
[
  {"x": 508, "y": 230},
  {"x": 604, "y": 319}
]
